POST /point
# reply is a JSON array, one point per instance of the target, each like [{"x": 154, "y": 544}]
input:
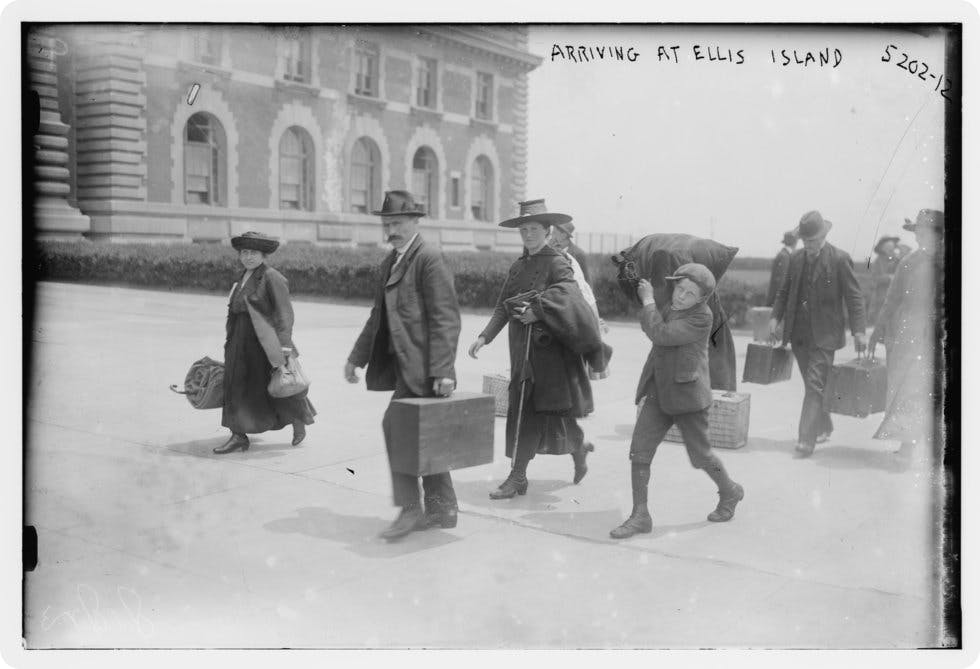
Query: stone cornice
[{"x": 461, "y": 37}]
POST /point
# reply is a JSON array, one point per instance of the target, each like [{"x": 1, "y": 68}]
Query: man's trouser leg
[{"x": 814, "y": 364}]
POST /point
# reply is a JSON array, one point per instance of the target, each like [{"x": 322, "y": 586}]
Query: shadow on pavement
[
  {"x": 589, "y": 524},
  {"x": 849, "y": 457},
  {"x": 538, "y": 497},
  {"x": 358, "y": 533},
  {"x": 202, "y": 448},
  {"x": 762, "y": 444}
]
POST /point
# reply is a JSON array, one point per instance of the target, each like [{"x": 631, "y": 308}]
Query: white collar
[{"x": 403, "y": 250}]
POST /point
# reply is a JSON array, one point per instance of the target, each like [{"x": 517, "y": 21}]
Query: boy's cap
[{"x": 697, "y": 273}]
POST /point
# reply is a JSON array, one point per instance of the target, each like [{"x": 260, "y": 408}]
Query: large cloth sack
[
  {"x": 657, "y": 256},
  {"x": 288, "y": 380},
  {"x": 204, "y": 384}
]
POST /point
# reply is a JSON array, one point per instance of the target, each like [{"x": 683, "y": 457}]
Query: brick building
[{"x": 199, "y": 132}]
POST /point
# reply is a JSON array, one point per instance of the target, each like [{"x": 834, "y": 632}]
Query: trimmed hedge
[{"x": 323, "y": 271}]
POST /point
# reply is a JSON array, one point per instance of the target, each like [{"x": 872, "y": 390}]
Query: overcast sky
[{"x": 655, "y": 145}]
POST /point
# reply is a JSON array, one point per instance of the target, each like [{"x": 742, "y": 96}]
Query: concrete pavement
[{"x": 147, "y": 539}]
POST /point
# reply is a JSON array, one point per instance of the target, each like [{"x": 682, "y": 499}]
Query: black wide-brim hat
[
  {"x": 887, "y": 238},
  {"x": 399, "y": 203},
  {"x": 534, "y": 211},
  {"x": 812, "y": 226},
  {"x": 255, "y": 241}
]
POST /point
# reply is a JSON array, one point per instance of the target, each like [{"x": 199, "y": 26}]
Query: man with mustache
[
  {"x": 818, "y": 289},
  {"x": 409, "y": 346}
]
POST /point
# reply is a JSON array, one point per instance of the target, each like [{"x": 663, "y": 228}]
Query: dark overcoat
[
  {"x": 267, "y": 292},
  {"x": 414, "y": 323},
  {"x": 676, "y": 371},
  {"x": 780, "y": 265},
  {"x": 834, "y": 295}
]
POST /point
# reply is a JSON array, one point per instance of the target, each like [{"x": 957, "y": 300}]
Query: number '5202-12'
[{"x": 919, "y": 68}]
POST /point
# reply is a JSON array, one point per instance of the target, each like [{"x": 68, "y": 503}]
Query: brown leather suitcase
[
  {"x": 856, "y": 388},
  {"x": 432, "y": 435},
  {"x": 767, "y": 364}
]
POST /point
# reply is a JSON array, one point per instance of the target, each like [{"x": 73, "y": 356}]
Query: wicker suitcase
[
  {"x": 431, "y": 435},
  {"x": 758, "y": 318},
  {"x": 856, "y": 388},
  {"x": 498, "y": 385},
  {"x": 767, "y": 364},
  {"x": 728, "y": 420}
]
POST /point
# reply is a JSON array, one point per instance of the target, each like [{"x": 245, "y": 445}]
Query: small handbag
[{"x": 288, "y": 379}]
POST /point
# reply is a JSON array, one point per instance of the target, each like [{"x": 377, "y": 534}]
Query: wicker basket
[
  {"x": 497, "y": 385},
  {"x": 728, "y": 421}
]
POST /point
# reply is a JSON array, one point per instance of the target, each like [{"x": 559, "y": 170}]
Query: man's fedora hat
[
  {"x": 534, "y": 211},
  {"x": 883, "y": 240},
  {"x": 790, "y": 238},
  {"x": 813, "y": 226},
  {"x": 255, "y": 241},
  {"x": 930, "y": 218},
  {"x": 399, "y": 203}
]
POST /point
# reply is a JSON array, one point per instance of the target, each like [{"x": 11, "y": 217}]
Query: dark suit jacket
[
  {"x": 268, "y": 292},
  {"x": 676, "y": 372},
  {"x": 583, "y": 261},
  {"x": 421, "y": 321},
  {"x": 834, "y": 289},
  {"x": 780, "y": 265}
]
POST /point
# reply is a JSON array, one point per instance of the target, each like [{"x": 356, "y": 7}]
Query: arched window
[
  {"x": 425, "y": 180},
  {"x": 204, "y": 161},
  {"x": 365, "y": 176},
  {"x": 481, "y": 195},
  {"x": 296, "y": 170}
]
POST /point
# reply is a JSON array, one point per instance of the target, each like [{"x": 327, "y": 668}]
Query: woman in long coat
[
  {"x": 540, "y": 298},
  {"x": 259, "y": 336},
  {"x": 906, "y": 325}
]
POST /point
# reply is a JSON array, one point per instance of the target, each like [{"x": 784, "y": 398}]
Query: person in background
[
  {"x": 675, "y": 388},
  {"x": 780, "y": 265},
  {"x": 557, "y": 390},
  {"x": 907, "y": 325},
  {"x": 409, "y": 346},
  {"x": 561, "y": 239},
  {"x": 259, "y": 303},
  {"x": 887, "y": 257},
  {"x": 818, "y": 289}
]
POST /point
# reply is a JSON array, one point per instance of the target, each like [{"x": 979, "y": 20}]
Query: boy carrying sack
[{"x": 676, "y": 386}]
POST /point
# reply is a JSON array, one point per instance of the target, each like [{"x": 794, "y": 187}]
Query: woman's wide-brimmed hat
[
  {"x": 534, "y": 211},
  {"x": 813, "y": 226},
  {"x": 399, "y": 203},
  {"x": 930, "y": 218},
  {"x": 255, "y": 241},
  {"x": 884, "y": 240}
]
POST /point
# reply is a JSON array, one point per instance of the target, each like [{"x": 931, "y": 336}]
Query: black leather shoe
[
  {"x": 726, "y": 504},
  {"x": 510, "y": 487},
  {"x": 234, "y": 443},
  {"x": 639, "y": 522},
  {"x": 299, "y": 433},
  {"x": 410, "y": 519},
  {"x": 439, "y": 513},
  {"x": 581, "y": 469}
]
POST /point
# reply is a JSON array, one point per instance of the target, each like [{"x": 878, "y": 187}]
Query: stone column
[{"x": 54, "y": 217}]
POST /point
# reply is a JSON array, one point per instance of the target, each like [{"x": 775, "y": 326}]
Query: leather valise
[
  {"x": 856, "y": 388},
  {"x": 767, "y": 364},
  {"x": 432, "y": 435}
]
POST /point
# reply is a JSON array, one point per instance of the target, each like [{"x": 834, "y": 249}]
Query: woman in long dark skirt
[
  {"x": 557, "y": 318},
  {"x": 259, "y": 339}
]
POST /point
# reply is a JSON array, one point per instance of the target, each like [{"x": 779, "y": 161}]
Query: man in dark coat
[
  {"x": 780, "y": 265},
  {"x": 675, "y": 389},
  {"x": 810, "y": 307},
  {"x": 409, "y": 346}
]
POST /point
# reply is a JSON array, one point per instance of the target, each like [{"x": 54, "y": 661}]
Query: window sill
[
  {"x": 194, "y": 66},
  {"x": 485, "y": 124},
  {"x": 425, "y": 113},
  {"x": 366, "y": 100},
  {"x": 297, "y": 87}
]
